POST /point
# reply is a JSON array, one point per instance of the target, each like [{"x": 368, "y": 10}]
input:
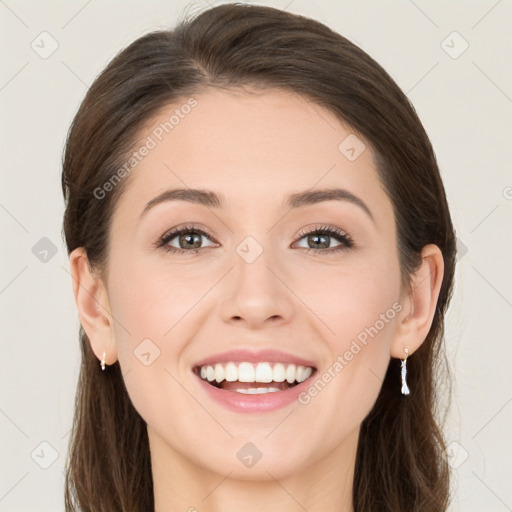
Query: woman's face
[{"x": 262, "y": 278}]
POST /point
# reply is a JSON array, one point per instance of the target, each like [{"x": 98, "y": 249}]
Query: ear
[
  {"x": 93, "y": 308},
  {"x": 419, "y": 304}
]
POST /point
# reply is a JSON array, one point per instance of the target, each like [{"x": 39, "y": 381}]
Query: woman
[{"x": 262, "y": 256}]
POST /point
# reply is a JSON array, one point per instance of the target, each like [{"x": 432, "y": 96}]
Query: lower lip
[{"x": 241, "y": 402}]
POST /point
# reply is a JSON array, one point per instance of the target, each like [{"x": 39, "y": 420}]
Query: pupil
[{"x": 317, "y": 237}]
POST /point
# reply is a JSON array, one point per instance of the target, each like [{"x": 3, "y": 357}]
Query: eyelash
[{"x": 338, "y": 234}]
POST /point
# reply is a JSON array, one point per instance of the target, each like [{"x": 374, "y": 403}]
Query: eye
[
  {"x": 319, "y": 239},
  {"x": 187, "y": 239}
]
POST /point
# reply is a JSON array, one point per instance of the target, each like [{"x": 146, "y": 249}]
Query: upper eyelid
[
  {"x": 314, "y": 229},
  {"x": 177, "y": 230}
]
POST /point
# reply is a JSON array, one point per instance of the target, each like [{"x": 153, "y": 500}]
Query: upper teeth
[{"x": 262, "y": 372}]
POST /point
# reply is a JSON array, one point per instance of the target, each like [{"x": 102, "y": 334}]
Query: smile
[
  {"x": 245, "y": 380},
  {"x": 251, "y": 378}
]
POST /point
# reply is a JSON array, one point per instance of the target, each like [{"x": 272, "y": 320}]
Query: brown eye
[
  {"x": 186, "y": 239},
  {"x": 320, "y": 239}
]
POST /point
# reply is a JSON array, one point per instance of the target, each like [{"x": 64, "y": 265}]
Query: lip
[
  {"x": 254, "y": 356},
  {"x": 246, "y": 403}
]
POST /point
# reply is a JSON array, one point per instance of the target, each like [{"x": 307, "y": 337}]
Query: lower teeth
[{"x": 256, "y": 391}]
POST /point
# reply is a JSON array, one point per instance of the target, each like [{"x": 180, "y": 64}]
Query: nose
[{"x": 257, "y": 293}]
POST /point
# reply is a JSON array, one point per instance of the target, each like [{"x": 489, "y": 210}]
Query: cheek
[
  {"x": 150, "y": 301},
  {"x": 148, "y": 313},
  {"x": 351, "y": 297},
  {"x": 156, "y": 316},
  {"x": 358, "y": 310}
]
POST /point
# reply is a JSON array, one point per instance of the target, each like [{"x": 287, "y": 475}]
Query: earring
[
  {"x": 102, "y": 363},
  {"x": 405, "y": 388}
]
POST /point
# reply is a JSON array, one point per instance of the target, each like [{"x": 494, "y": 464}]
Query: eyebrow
[{"x": 212, "y": 200}]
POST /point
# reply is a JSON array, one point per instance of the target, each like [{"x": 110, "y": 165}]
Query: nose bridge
[{"x": 256, "y": 293}]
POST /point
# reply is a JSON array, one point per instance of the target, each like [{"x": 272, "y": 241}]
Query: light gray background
[{"x": 465, "y": 104}]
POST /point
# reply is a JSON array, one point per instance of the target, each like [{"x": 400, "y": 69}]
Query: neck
[{"x": 181, "y": 484}]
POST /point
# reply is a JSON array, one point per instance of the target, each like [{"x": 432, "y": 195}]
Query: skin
[{"x": 254, "y": 150}]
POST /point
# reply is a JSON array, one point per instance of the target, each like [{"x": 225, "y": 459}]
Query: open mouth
[{"x": 254, "y": 378}]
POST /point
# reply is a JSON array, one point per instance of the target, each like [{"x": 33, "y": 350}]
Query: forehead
[{"x": 252, "y": 148}]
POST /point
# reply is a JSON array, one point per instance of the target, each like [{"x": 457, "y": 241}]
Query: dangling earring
[
  {"x": 102, "y": 363},
  {"x": 405, "y": 388}
]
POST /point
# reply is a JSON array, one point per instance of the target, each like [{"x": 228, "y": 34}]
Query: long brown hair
[{"x": 400, "y": 466}]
